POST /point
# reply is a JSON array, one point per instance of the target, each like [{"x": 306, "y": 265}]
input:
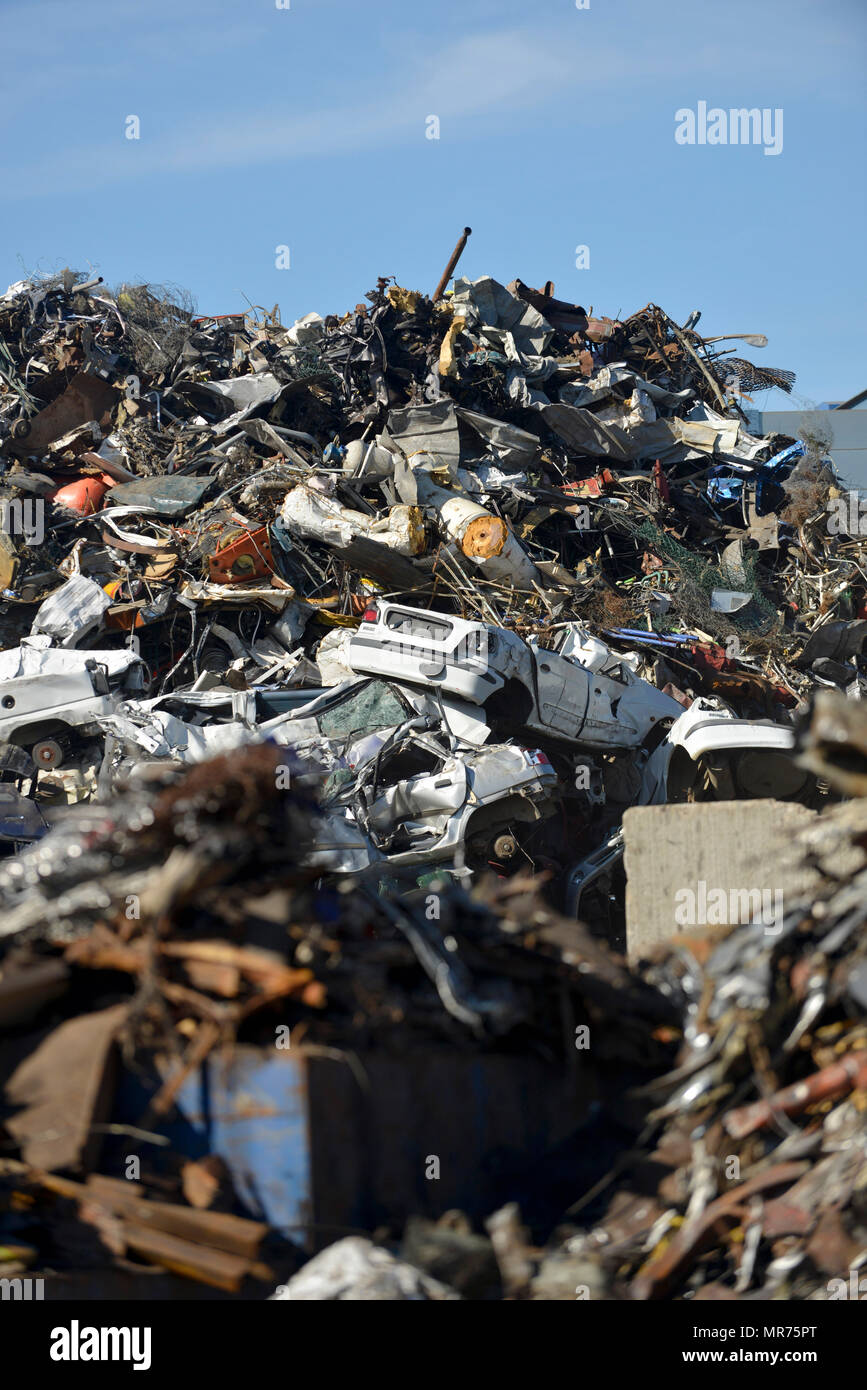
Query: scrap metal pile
[
  {"x": 331, "y": 657},
  {"x": 462, "y": 524}
]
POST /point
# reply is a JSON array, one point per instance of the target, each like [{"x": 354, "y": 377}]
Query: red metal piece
[
  {"x": 849, "y": 1074},
  {"x": 660, "y": 482},
  {"x": 247, "y": 556}
]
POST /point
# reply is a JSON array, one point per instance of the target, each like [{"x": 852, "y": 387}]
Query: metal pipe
[{"x": 455, "y": 257}]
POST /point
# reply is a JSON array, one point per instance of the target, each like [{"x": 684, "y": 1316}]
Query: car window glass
[{"x": 370, "y": 707}]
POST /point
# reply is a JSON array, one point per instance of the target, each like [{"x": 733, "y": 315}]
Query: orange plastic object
[
  {"x": 241, "y": 556},
  {"x": 83, "y": 496}
]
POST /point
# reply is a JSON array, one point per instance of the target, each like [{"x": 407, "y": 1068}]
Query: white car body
[
  {"x": 434, "y": 810},
  {"x": 47, "y": 688},
  {"x": 597, "y": 701},
  {"x": 756, "y": 754}
]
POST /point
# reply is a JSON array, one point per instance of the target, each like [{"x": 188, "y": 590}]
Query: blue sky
[{"x": 305, "y": 127}]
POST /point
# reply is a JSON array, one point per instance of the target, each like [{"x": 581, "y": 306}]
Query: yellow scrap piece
[
  {"x": 447, "y": 366},
  {"x": 405, "y": 300}
]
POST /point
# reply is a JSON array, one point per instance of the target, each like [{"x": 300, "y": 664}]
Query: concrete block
[{"x": 696, "y": 869}]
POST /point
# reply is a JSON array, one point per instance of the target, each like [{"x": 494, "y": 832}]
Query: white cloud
[
  {"x": 559, "y": 76},
  {"x": 484, "y": 73}
]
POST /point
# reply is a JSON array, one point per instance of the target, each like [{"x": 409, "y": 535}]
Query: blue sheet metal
[
  {"x": 250, "y": 1107},
  {"x": 725, "y": 487},
  {"x": 322, "y": 1143}
]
